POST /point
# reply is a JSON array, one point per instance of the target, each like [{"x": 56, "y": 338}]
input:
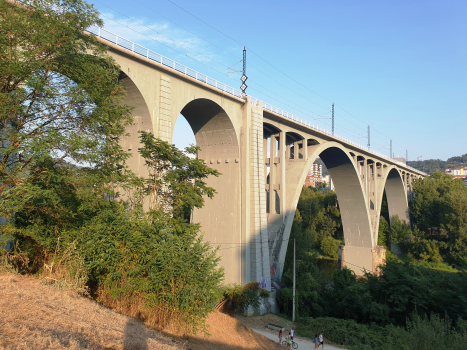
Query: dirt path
[
  {"x": 259, "y": 325},
  {"x": 302, "y": 342}
]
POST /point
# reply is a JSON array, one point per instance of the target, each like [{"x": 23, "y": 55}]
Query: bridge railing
[
  {"x": 154, "y": 56},
  {"x": 293, "y": 117}
]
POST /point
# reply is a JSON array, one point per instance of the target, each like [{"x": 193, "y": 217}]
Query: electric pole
[
  {"x": 406, "y": 156},
  {"x": 390, "y": 148},
  {"x": 293, "y": 293},
  {"x": 333, "y": 119},
  {"x": 244, "y": 77}
]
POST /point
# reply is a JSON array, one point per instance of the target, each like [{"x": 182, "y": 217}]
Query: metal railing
[{"x": 154, "y": 56}]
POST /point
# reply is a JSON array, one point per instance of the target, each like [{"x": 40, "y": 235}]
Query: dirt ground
[{"x": 37, "y": 316}]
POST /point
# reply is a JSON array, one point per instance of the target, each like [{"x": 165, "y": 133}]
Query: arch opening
[
  {"x": 220, "y": 217},
  {"x": 396, "y": 196},
  {"x": 348, "y": 185},
  {"x": 141, "y": 122},
  {"x": 272, "y": 145}
]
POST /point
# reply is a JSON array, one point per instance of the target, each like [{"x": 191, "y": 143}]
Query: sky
[{"x": 398, "y": 66}]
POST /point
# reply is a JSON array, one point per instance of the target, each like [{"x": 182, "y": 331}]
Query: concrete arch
[
  {"x": 396, "y": 195},
  {"x": 269, "y": 129},
  {"x": 141, "y": 122},
  {"x": 213, "y": 130},
  {"x": 295, "y": 146},
  {"x": 220, "y": 217},
  {"x": 353, "y": 204}
]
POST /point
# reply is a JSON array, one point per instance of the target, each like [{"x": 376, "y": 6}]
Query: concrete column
[
  {"x": 281, "y": 169},
  {"x": 365, "y": 174},
  {"x": 376, "y": 186},
  {"x": 259, "y": 252},
  {"x": 296, "y": 152},
  {"x": 305, "y": 149},
  {"x": 289, "y": 152},
  {"x": 245, "y": 141},
  {"x": 272, "y": 176}
]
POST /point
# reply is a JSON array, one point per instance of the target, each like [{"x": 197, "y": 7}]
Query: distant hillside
[{"x": 432, "y": 165}]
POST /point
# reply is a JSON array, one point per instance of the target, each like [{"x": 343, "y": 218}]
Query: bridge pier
[{"x": 360, "y": 259}]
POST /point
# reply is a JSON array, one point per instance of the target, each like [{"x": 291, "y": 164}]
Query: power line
[
  {"x": 155, "y": 31},
  {"x": 277, "y": 69},
  {"x": 220, "y": 63},
  {"x": 189, "y": 48}
]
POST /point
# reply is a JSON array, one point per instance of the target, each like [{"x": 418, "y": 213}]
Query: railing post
[
  {"x": 147, "y": 53},
  {"x": 116, "y": 39},
  {"x": 133, "y": 47},
  {"x": 99, "y": 31}
]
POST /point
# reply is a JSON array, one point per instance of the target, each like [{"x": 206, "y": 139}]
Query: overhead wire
[
  {"x": 300, "y": 109},
  {"x": 273, "y": 66},
  {"x": 208, "y": 57}
]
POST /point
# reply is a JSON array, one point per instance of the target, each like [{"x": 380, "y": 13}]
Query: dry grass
[
  {"x": 228, "y": 333},
  {"x": 38, "y": 316}
]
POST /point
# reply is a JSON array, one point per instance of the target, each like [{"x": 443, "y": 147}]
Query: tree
[
  {"x": 60, "y": 96},
  {"x": 61, "y": 163}
]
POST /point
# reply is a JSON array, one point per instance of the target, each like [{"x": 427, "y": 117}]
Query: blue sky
[{"x": 399, "y": 66}]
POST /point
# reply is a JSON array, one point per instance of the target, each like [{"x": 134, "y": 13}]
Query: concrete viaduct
[{"x": 253, "y": 210}]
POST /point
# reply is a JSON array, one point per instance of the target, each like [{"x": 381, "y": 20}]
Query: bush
[
  {"x": 330, "y": 247},
  {"x": 347, "y": 333},
  {"x": 421, "y": 333},
  {"x": 241, "y": 297},
  {"x": 426, "y": 333}
]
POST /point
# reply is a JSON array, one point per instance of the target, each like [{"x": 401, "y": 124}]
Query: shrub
[
  {"x": 241, "y": 297},
  {"x": 330, "y": 247}
]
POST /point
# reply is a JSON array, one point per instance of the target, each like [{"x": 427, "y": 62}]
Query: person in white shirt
[
  {"x": 291, "y": 333},
  {"x": 321, "y": 340}
]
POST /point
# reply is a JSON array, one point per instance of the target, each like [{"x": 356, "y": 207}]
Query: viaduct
[{"x": 254, "y": 208}]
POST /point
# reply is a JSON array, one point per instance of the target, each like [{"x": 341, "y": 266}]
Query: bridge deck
[{"x": 180, "y": 68}]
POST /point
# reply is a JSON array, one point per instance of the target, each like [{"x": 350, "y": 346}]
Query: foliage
[
  {"x": 439, "y": 212},
  {"x": 63, "y": 178},
  {"x": 176, "y": 182},
  {"x": 60, "y": 96},
  {"x": 330, "y": 246},
  {"x": 422, "y": 332},
  {"x": 432, "y": 165},
  {"x": 241, "y": 297},
  {"x": 159, "y": 270},
  {"x": 426, "y": 333},
  {"x": 400, "y": 232},
  {"x": 383, "y": 233},
  {"x": 162, "y": 277},
  {"x": 347, "y": 333}
]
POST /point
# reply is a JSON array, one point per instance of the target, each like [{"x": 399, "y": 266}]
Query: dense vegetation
[
  {"x": 431, "y": 165},
  {"x": 429, "y": 278},
  {"x": 75, "y": 212}
]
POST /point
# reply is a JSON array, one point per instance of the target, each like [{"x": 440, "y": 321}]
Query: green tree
[
  {"x": 60, "y": 96},
  {"x": 383, "y": 232},
  {"x": 61, "y": 168}
]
